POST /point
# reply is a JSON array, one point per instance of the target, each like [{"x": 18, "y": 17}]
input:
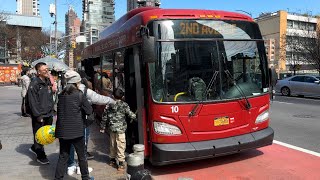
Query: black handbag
[{"x": 89, "y": 119}]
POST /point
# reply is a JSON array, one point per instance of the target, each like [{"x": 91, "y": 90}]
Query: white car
[{"x": 305, "y": 85}]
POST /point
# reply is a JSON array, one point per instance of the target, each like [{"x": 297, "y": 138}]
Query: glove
[{"x": 40, "y": 119}]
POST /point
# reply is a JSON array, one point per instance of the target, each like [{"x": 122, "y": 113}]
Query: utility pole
[
  {"x": 55, "y": 29},
  {"x": 50, "y": 49}
]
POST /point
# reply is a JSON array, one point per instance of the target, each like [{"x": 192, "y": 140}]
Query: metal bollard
[
  {"x": 135, "y": 163},
  {"x": 139, "y": 150},
  {"x": 135, "y": 169}
]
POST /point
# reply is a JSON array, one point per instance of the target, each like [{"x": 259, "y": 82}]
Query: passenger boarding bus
[{"x": 198, "y": 79}]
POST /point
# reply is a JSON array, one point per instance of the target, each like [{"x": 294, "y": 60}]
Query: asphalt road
[{"x": 296, "y": 121}]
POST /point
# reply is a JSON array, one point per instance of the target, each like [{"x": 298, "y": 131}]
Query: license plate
[{"x": 221, "y": 121}]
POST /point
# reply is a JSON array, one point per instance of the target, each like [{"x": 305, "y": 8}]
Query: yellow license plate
[{"x": 221, "y": 121}]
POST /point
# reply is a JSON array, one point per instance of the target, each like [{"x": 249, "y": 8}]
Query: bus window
[
  {"x": 106, "y": 87},
  {"x": 119, "y": 71}
]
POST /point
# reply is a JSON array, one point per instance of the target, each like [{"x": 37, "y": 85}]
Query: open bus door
[{"x": 134, "y": 96}]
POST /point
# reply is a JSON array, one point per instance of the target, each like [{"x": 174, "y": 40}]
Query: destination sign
[
  {"x": 174, "y": 29},
  {"x": 195, "y": 29}
]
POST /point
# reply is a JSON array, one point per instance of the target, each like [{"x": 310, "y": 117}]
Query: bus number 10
[{"x": 174, "y": 109}]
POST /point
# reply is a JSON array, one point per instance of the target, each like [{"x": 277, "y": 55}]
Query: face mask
[{"x": 99, "y": 77}]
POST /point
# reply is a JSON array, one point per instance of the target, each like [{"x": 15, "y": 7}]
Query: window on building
[
  {"x": 302, "y": 25},
  {"x": 94, "y": 39},
  {"x": 290, "y": 24},
  {"x": 312, "y": 27}
]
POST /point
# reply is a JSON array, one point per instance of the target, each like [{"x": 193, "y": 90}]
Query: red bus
[{"x": 199, "y": 80}]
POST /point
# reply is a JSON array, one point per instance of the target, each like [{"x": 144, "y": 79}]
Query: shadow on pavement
[
  {"x": 201, "y": 164},
  {"x": 46, "y": 171},
  {"x": 24, "y": 149},
  {"x": 100, "y": 146}
]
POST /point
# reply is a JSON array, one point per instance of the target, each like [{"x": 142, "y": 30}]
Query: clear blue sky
[{"x": 255, "y": 7}]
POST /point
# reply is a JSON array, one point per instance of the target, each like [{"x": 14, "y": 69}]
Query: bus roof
[{"x": 123, "y": 31}]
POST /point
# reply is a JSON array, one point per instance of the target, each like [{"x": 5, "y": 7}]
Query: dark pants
[
  {"x": 65, "y": 145},
  {"x": 35, "y": 126},
  {"x": 23, "y": 107},
  {"x": 71, "y": 161}
]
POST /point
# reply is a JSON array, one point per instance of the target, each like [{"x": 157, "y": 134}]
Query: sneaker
[
  {"x": 90, "y": 169},
  {"x": 121, "y": 167},
  {"x": 89, "y": 156},
  {"x": 43, "y": 160},
  {"x": 113, "y": 163},
  {"x": 33, "y": 151},
  {"x": 71, "y": 170}
]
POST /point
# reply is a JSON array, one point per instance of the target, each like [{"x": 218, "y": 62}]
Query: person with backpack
[
  {"x": 93, "y": 98},
  {"x": 71, "y": 122},
  {"x": 39, "y": 100}
]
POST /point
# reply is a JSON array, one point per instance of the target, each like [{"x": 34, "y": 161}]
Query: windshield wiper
[
  {"x": 247, "y": 105},
  {"x": 213, "y": 79}
]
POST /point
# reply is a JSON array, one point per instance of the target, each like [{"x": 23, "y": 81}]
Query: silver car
[{"x": 305, "y": 85}]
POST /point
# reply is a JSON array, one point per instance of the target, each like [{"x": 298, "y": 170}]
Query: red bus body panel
[{"x": 199, "y": 137}]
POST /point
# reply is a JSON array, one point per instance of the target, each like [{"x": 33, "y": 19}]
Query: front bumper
[{"x": 163, "y": 154}]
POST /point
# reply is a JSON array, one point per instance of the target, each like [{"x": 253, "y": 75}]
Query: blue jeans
[{"x": 71, "y": 161}]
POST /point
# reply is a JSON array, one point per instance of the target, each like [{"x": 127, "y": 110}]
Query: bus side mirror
[
  {"x": 273, "y": 76},
  {"x": 148, "y": 49}
]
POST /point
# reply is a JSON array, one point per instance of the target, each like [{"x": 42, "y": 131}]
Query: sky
[{"x": 254, "y": 7}]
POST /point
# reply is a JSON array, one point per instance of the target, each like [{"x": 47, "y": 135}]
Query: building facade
[
  {"x": 282, "y": 28},
  {"x": 28, "y": 7},
  {"x": 72, "y": 26},
  {"x": 97, "y": 15},
  {"x": 16, "y": 33},
  {"x": 133, "y": 4},
  {"x": 270, "y": 45}
]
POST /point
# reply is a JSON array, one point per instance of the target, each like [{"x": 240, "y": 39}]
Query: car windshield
[{"x": 194, "y": 70}]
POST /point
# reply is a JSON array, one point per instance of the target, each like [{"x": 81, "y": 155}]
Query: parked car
[{"x": 305, "y": 85}]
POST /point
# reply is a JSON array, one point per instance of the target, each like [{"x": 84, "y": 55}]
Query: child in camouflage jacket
[{"x": 114, "y": 117}]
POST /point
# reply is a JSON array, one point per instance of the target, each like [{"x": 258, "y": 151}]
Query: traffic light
[{"x": 73, "y": 45}]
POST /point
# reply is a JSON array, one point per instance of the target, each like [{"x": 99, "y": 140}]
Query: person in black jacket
[
  {"x": 72, "y": 109},
  {"x": 40, "y": 101}
]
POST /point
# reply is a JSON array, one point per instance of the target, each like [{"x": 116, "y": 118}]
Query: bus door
[{"x": 134, "y": 95}]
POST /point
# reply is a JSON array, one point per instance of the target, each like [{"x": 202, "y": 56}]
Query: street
[{"x": 295, "y": 121}]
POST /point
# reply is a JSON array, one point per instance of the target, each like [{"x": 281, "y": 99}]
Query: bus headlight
[
  {"x": 166, "y": 129},
  {"x": 263, "y": 117}
]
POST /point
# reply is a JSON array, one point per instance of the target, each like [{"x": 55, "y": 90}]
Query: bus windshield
[{"x": 202, "y": 60}]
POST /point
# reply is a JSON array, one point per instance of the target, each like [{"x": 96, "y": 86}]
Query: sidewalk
[{"x": 17, "y": 163}]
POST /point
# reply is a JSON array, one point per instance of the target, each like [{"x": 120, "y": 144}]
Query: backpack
[
  {"x": 90, "y": 119},
  {"x": 197, "y": 88}
]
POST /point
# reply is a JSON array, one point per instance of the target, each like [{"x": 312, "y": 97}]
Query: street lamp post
[{"x": 55, "y": 29}]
